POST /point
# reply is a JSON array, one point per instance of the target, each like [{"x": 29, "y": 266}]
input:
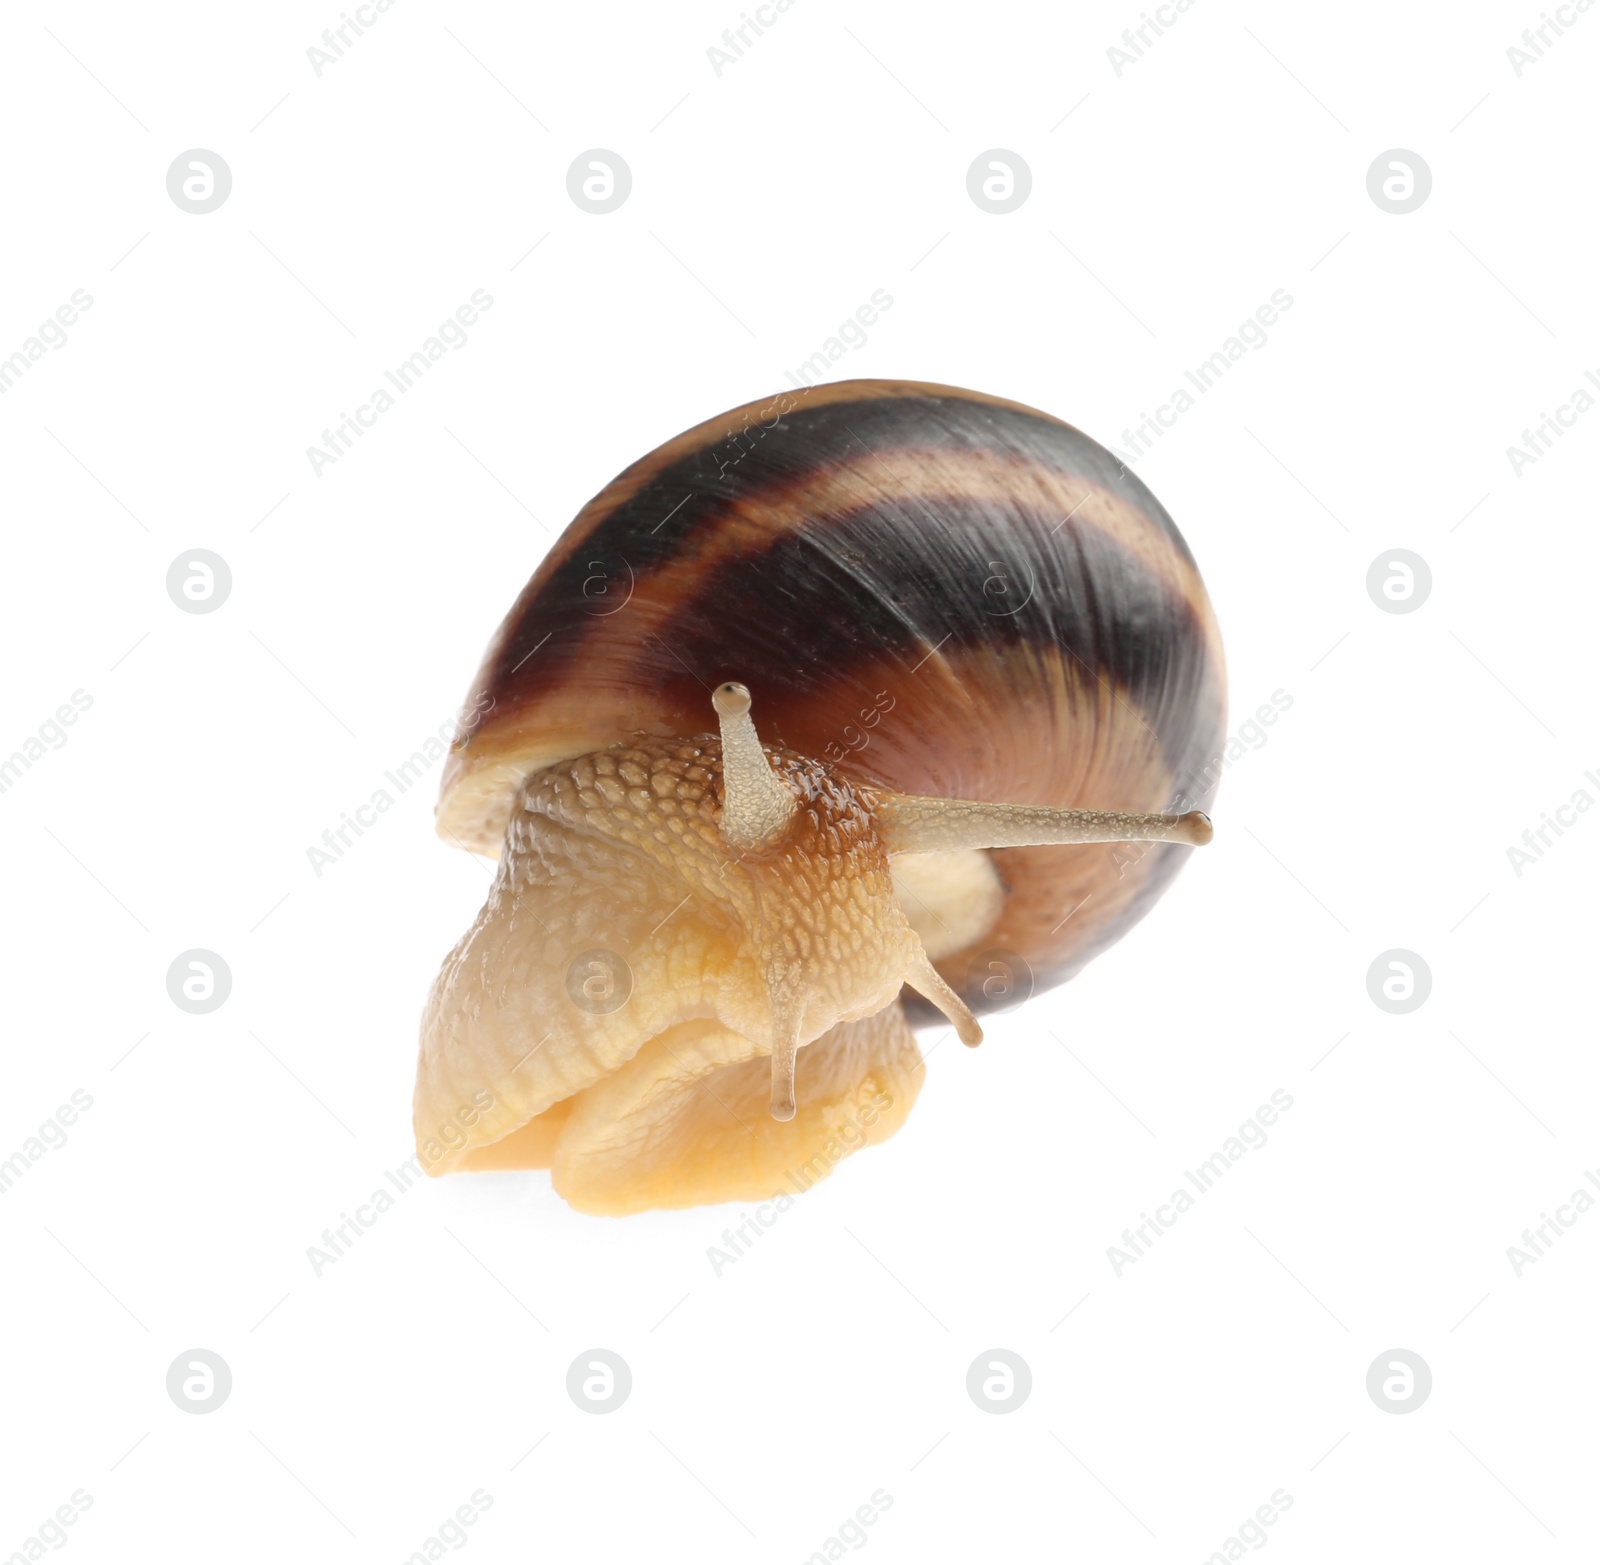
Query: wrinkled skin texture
[{"x": 617, "y": 1001}]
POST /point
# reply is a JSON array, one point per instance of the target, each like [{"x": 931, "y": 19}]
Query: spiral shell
[{"x": 935, "y": 591}]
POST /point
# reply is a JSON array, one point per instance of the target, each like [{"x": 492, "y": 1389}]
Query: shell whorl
[{"x": 937, "y": 592}]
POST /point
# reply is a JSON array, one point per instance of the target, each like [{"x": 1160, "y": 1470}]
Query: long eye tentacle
[
  {"x": 908, "y": 823},
  {"x": 756, "y": 807}
]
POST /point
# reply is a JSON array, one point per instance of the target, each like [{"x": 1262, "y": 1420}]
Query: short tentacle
[{"x": 925, "y": 979}]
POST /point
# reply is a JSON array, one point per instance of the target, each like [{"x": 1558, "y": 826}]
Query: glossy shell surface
[{"x": 933, "y": 590}]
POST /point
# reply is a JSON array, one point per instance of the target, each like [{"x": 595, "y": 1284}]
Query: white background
[{"x": 767, "y": 204}]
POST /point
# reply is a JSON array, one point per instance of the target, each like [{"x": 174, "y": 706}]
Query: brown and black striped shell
[{"x": 936, "y": 591}]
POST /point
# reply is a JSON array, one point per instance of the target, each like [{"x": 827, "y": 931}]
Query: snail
[{"x": 836, "y": 715}]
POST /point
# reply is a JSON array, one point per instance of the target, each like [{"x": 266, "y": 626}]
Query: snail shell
[{"x": 930, "y": 595}]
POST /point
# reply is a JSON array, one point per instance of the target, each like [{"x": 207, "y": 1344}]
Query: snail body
[{"x": 872, "y": 691}]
